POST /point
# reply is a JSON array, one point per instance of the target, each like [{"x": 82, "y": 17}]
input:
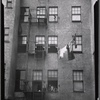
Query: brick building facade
[{"x": 38, "y": 29}]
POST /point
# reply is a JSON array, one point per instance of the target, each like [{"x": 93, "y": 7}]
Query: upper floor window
[
  {"x": 41, "y": 12},
  {"x": 76, "y": 13},
  {"x": 40, "y": 40},
  {"x": 52, "y": 80},
  {"x": 53, "y": 14},
  {"x": 52, "y": 40},
  {"x": 9, "y": 3},
  {"x": 77, "y": 47},
  {"x": 40, "y": 47},
  {"x": 37, "y": 75},
  {"x": 24, "y": 14},
  {"x": 78, "y": 81},
  {"x": 22, "y": 44},
  {"x": 52, "y": 44},
  {"x": 6, "y": 34}
]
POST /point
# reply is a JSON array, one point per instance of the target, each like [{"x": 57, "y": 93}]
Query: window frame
[
  {"x": 52, "y": 36},
  {"x": 6, "y": 35},
  {"x": 41, "y": 8},
  {"x": 75, "y": 14},
  {"x": 52, "y": 79},
  {"x": 77, "y": 51},
  {"x": 33, "y": 75},
  {"x": 7, "y": 3},
  {"x": 75, "y": 81},
  {"x": 21, "y": 40},
  {"x": 23, "y": 15},
  {"x": 19, "y": 80},
  {"x": 40, "y": 36},
  {"x": 53, "y": 14}
]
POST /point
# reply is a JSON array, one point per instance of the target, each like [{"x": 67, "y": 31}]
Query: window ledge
[
  {"x": 77, "y": 52},
  {"x": 76, "y": 21},
  {"x": 9, "y": 7}
]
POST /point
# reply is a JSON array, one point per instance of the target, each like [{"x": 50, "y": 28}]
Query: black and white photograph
[{"x": 51, "y": 49}]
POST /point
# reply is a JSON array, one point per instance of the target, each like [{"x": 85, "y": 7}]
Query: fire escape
[{"x": 34, "y": 48}]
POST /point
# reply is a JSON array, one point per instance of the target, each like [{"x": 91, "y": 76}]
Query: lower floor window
[
  {"x": 52, "y": 80},
  {"x": 52, "y": 86},
  {"x": 78, "y": 85}
]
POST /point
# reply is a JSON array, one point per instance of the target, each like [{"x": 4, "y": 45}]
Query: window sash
[
  {"x": 52, "y": 40},
  {"x": 53, "y": 14},
  {"x": 76, "y": 13},
  {"x": 77, "y": 47},
  {"x": 37, "y": 75},
  {"x": 78, "y": 75},
  {"x": 78, "y": 86},
  {"x": 24, "y": 40},
  {"x": 9, "y": 3},
  {"x": 41, "y": 12},
  {"x": 25, "y": 14},
  {"x": 40, "y": 40}
]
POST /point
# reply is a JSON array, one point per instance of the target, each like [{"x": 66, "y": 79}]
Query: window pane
[
  {"x": 26, "y": 18},
  {"x": 79, "y": 48},
  {"x": 78, "y": 86},
  {"x": 37, "y": 75},
  {"x": 22, "y": 74},
  {"x": 76, "y": 18}
]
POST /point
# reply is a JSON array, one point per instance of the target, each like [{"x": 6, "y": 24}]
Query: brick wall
[{"x": 64, "y": 29}]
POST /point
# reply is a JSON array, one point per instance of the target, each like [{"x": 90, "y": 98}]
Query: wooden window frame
[
  {"x": 41, "y": 15},
  {"x": 6, "y": 35},
  {"x": 52, "y": 79},
  {"x": 77, "y": 14},
  {"x": 19, "y": 80},
  {"x": 7, "y": 3},
  {"x": 23, "y": 15},
  {"x": 36, "y": 72},
  {"x": 52, "y": 36},
  {"x": 78, "y": 79},
  {"x": 77, "y": 44},
  {"x": 39, "y": 36},
  {"x": 53, "y": 7}
]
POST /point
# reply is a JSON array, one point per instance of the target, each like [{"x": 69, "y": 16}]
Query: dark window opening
[
  {"x": 6, "y": 35},
  {"x": 39, "y": 52},
  {"x": 20, "y": 80},
  {"x": 52, "y": 81},
  {"x": 22, "y": 45},
  {"x": 24, "y": 14},
  {"x": 9, "y": 3}
]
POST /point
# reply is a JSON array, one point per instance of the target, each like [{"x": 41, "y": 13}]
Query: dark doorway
[{"x": 96, "y": 35}]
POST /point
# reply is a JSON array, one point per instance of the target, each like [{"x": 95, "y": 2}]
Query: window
[
  {"x": 9, "y": 3},
  {"x": 52, "y": 44},
  {"x": 6, "y": 35},
  {"x": 52, "y": 80},
  {"x": 78, "y": 81},
  {"x": 22, "y": 44},
  {"x": 77, "y": 47},
  {"x": 37, "y": 80},
  {"x": 20, "y": 80},
  {"x": 37, "y": 75},
  {"x": 53, "y": 14},
  {"x": 24, "y": 14},
  {"x": 40, "y": 40},
  {"x": 76, "y": 13},
  {"x": 41, "y": 12},
  {"x": 40, "y": 47}
]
